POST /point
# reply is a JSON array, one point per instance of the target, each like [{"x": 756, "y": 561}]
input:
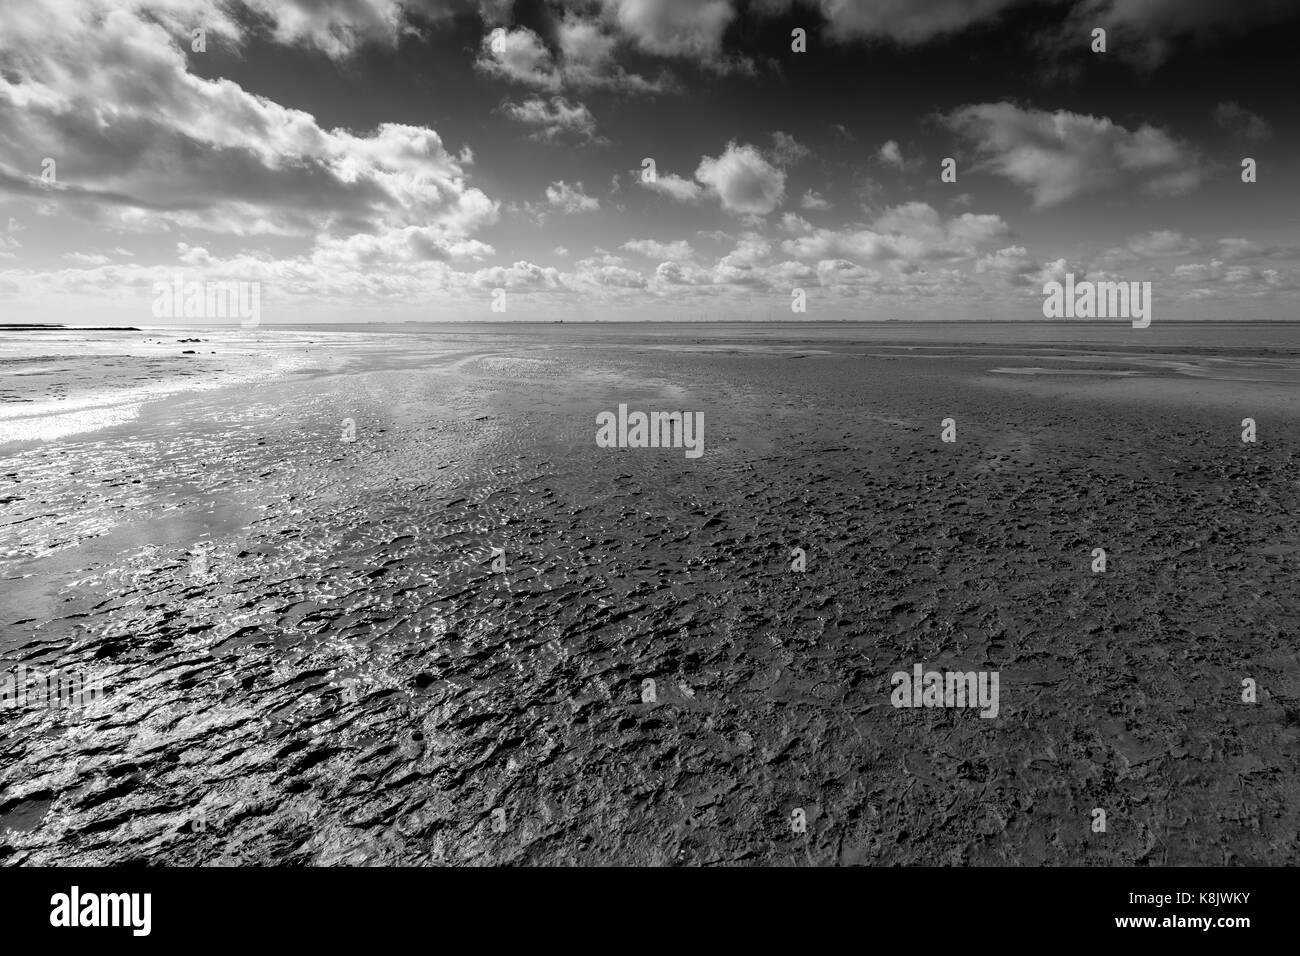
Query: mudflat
[{"x": 379, "y": 596}]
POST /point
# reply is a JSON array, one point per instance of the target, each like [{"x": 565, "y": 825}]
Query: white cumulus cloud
[
  {"x": 570, "y": 199},
  {"x": 743, "y": 180},
  {"x": 1060, "y": 155}
]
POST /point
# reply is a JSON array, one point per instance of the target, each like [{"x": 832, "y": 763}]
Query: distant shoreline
[
  {"x": 323, "y": 326},
  {"x": 16, "y": 327}
]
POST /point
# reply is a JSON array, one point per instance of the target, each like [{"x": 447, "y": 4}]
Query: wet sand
[{"x": 306, "y": 648}]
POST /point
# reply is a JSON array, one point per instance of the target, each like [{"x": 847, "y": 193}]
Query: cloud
[
  {"x": 743, "y": 180},
  {"x": 814, "y": 201},
  {"x": 910, "y": 233},
  {"x": 794, "y": 223},
  {"x": 89, "y": 259},
  {"x": 586, "y": 45},
  {"x": 1058, "y": 156},
  {"x": 787, "y": 150},
  {"x": 585, "y": 60},
  {"x": 682, "y": 273},
  {"x": 1152, "y": 26},
  {"x": 1142, "y": 30},
  {"x": 1241, "y": 122},
  {"x": 555, "y": 119},
  {"x": 1236, "y": 248},
  {"x": 570, "y": 199},
  {"x": 1163, "y": 242},
  {"x": 859, "y": 245},
  {"x": 7, "y": 240},
  {"x": 1013, "y": 263},
  {"x": 1019, "y": 269},
  {"x": 607, "y": 272},
  {"x": 520, "y": 275},
  {"x": 393, "y": 212},
  {"x": 742, "y": 266},
  {"x": 201, "y": 153},
  {"x": 917, "y": 225},
  {"x": 654, "y": 249},
  {"x": 1218, "y": 278},
  {"x": 339, "y": 27},
  {"x": 902, "y": 21},
  {"x": 970, "y": 230},
  {"x": 519, "y": 55},
  {"x": 1057, "y": 270},
  {"x": 409, "y": 244},
  {"x": 587, "y": 50},
  {"x": 751, "y": 249},
  {"x": 891, "y": 154},
  {"x": 695, "y": 29},
  {"x": 678, "y": 28},
  {"x": 672, "y": 185}
]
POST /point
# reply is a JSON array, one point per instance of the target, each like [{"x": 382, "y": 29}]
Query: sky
[{"x": 431, "y": 160}]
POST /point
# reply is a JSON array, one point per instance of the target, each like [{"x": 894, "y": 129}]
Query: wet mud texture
[{"x": 309, "y": 659}]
